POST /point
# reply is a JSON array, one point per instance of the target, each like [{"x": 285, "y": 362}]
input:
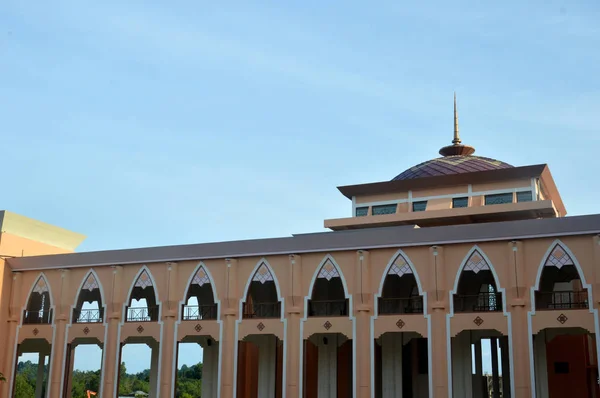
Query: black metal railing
[
  {"x": 88, "y": 316},
  {"x": 262, "y": 310},
  {"x": 482, "y": 302},
  {"x": 37, "y": 317},
  {"x": 563, "y": 300},
  {"x": 328, "y": 308},
  {"x": 142, "y": 314},
  {"x": 199, "y": 312},
  {"x": 407, "y": 305}
]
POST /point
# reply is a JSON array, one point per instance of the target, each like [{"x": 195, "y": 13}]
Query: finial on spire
[{"x": 456, "y": 139}]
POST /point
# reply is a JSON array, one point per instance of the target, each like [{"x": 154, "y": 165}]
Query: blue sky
[{"x": 153, "y": 123}]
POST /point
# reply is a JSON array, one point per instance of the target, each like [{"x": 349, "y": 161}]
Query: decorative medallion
[
  {"x": 201, "y": 277},
  {"x": 400, "y": 323},
  {"x": 86, "y": 330},
  {"x": 558, "y": 258},
  {"x": 478, "y": 321},
  {"x": 476, "y": 263},
  {"x": 562, "y": 318},
  {"x": 261, "y": 326},
  {"x": 143, "y": 280},
  {"x": 400, "y": 267},
  {"x": 140, "y": 329},
  {"x": 263, "y": 274},
  {"x": 35, "y": 331},
  {"x": 198, "y": 327},
  {"x": 327, "y": 325},
  {"x": 328, "y": 271}
]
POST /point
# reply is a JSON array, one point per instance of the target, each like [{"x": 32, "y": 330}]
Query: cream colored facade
[{"x": 513, "y": 243}]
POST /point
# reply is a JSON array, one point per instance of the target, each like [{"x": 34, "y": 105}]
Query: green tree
[
  {"x": 22, "y": 387},
  {"x": 2, "y": 378}
]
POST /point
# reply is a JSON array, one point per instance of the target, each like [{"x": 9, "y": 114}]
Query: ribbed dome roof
[{"x": 447, "y": 165}]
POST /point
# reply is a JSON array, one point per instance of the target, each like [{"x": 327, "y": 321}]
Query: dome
[{"x": 454, "y": 164}]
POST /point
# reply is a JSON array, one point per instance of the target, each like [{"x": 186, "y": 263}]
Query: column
[
  {"x": 267, "y": 346},
  {"x": 391, "y": 366},
  {"x": 210, "y": 369},
  {"x": 505, "y": 367},
  {"x": 111, "y": 351},
  {"x": 363, "y": 306},
  {"x": 327, "y": 345},
  {"x": 70, "y": 367},
  {"x": 168, "y": 341},
  {"x": 14, "y": 313},
  {"x": 462, "y": 378},
  {"x": 541, "y": 365},
  {"x": 438, "y": 296},
  {"x": 478, "y": 385},
  {"x": 229, "y": 316},
  {"x": 59, "y": 342},
  {"x": 495, "y": 378},
  {"x": 39, "y": 383},
  {"x": 155, "y": 353},
  {"x": 294, "y": 304}
]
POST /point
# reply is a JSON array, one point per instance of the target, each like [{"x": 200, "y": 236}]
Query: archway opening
[
  {"x": 400, "y": 293},
  {"x": 139, "y": 363},
  {"x": 197, "y": 367},
  {"x": 83, "y": 364},
  {"x": 477, "y": 290},
  {"x": 32, "y": 369},
  {"x": 328, "y": 295},
  {"x": 262, "y": 300},
  {"x": 89, "y": 307},
  {"x": 199, "y": 301},
  {"x": 328, "y": 366},
  {"x": 39, "y": 306},
  {"x": 260, "y": 367},
  {"x": 142, "y": 302}
]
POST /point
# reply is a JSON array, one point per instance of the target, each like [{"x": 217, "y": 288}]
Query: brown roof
[
  {"x": 400, "y": 236},
  {"x": 448, "y": 165},
  {"x": 443, "y": 180}
]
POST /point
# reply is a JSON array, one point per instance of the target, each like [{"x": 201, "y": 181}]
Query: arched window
[
  {"x": 400, "y": 293},
  {"x": 262, "y": 300},
  {"x": 328, "y": 296},
  {"x": 477, "y": 290},
  {"x": 142, "y": 302},
  {"x": 89, "y": 302},
  {"x": 560, "y": 285},
  {"x": 200, "y": 300},
  {"x": 39, "y": 305}
]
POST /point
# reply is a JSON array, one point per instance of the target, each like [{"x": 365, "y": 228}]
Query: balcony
[
  {"x": 262, "y": 310},
  {"x": 37, "y": 317},
  {"x": 408, "y": 305},
  {"x": 88, "y": 316},
  {"x": 482, "y": 302},
  {"x": 142, "y": 314},
  {"x": 563, "y": 300},
  {"x": 199, "y": 312},
  {"x": 328, "y": 308}
]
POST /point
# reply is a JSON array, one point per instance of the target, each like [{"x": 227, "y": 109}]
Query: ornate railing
[
  {"x": 563, "y": 300},
  {"x": 88, "y": 316},
  {"x": 262, "y": 310},
  {"x": 482, "y": 302},
  {"x": 142, "y": 314},
  {"x": 199, "y": 312},
  {"x": 37, "y": 317},
  {"x": 408, "y": 305},
  {"x": 328, "y": 308}
]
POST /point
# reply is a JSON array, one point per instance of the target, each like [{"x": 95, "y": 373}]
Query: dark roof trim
[
  {"x": 401, "y": 236},
  {"x": 453, "y": 179}
]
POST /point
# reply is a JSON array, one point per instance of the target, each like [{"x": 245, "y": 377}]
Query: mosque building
[{"x": 398, "y": 300}]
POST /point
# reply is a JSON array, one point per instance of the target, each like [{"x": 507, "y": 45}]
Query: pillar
[
  {"x": 495, "y": 373},
  {"x": 154, "y": 356},
  {"x": 229, "y": 316},
  {"x": 210, "y": 369},
  {"x": 267, "y": 361},
  {"x": 168, "y": 343},
  {"x": 294, "y": 306},
  {"x": 391, "y": 365},
  {"x": 111, "y": 351},
  {"x": 69, "y": 370},
  {"x": 39, "y": 383},
  {"x": 14, "y": 315},
  {"x": 462, "y": 377},
  {"x": 505, "y": 367},
  {"x": 327, "y": 346},
  {"x": 59, "y": 342},
  {"x": 540, "y": 364},
  {"x": 478, "y": 385},
  {"x": 438, "y": 296},
  {"x": 363, "y": 309}
]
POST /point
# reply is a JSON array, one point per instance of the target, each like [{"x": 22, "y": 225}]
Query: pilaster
[
  {"x": 168, "y": 343},
  {"x": 112, "y": 345},
  {"x": 14, "y": 315},
  {"x": 438, "y": 296},
  {"x": 363, "y": 306},
  {"x": 294, "y": 304},
  {"x": 59, "y": 342},
  {"x": 229, "y": 317}
]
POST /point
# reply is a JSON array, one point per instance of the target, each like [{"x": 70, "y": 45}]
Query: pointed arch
[
  {"x": 201, "y": 286},
  {"x": 262, "y": 293},
  {"x": 408, "y": 297},
  {"x": 560, "y": 281},
  {"x": 39, "y": 307},
  {"x": 328, "y": 290},
  {"x": 490, "y": 299},
  {"x": 90, "y": 290},
  {"x": 143, "y": 287}
]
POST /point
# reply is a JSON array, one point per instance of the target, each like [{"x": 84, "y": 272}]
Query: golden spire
[{"x": 456, "y": 139}]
